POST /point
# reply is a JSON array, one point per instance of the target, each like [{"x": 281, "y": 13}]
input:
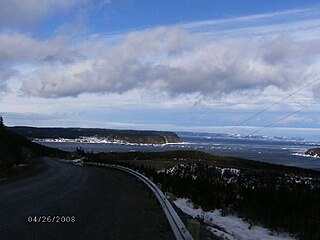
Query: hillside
[
  {"x": 168, "y": 159},
  {"x": 16, "y": 149},
  {"x": 281, "y": 198},
  {"x": 127, "y": 136}
]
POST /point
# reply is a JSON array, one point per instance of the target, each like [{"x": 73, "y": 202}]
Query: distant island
[
  {"x": 96, "y": 135},
  {"x": 313, "y": 152}
]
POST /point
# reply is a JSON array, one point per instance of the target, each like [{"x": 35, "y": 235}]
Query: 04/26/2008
[{"x": 51, "y": 219}]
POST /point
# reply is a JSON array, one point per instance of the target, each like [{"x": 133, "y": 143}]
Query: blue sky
[
  {"x": 124, "y": 15},
  {"x": 165, "y": 65}
]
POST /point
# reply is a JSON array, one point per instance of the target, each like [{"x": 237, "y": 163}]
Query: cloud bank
[{"x": 169, "y": 59}]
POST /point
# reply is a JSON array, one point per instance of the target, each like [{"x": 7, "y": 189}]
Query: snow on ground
[
  {"x": 235, "y": 171},
  {"x": 228, "y": 227},
  {"x": 301, "y": 154}
]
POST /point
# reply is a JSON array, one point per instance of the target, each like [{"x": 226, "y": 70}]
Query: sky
[{"x": 191, "y": 65}]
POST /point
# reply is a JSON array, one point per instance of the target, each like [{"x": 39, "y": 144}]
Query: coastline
[{"x": 102, "y": 141}]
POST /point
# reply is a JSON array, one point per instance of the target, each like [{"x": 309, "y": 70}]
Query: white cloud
[
  {"x": 20, "y": 12},
  {"x": 301, "y": 23},
  {"x": 253, "y": 19},
  {"x": 5, "y": 74},
  {"x": 16, "y": 48},
  {"x": 174, "y": 61},
  {"x": 297, "y": 119}
]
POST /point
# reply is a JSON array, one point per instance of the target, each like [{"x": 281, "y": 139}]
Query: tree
[{"x": 1, "y": 120}]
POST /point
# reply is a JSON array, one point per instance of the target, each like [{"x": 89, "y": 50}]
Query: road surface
[{"x": 105, "y": 204}]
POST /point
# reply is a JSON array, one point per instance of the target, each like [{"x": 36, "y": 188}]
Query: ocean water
[{"x": 288, "y": 152}]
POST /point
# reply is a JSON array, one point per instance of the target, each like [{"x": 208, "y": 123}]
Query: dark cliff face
[
  {"x": 130, "y": 136},
  {"x": 313, "y": 152}
]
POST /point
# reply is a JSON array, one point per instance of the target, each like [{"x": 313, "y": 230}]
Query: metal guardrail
[{"x": 179, "y": 229}]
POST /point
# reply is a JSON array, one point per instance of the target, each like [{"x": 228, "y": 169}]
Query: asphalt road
[{"x": 106, "y": 204}]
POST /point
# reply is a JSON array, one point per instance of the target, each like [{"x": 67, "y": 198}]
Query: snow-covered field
[{"x": 229, "y": 227}]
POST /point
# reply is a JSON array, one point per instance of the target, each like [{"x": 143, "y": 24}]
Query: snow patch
[
  {"x": 305, "y": 155},
  {"x": 229, "y": 227},
  {"x": 234, "y": 171}
]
